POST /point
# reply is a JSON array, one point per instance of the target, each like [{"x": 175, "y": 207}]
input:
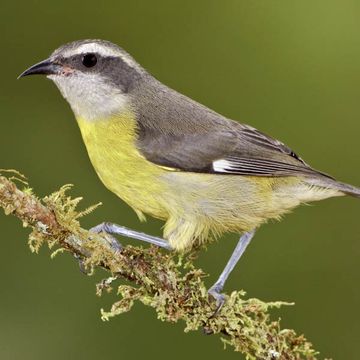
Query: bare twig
[{"x": 169, "y": 284}]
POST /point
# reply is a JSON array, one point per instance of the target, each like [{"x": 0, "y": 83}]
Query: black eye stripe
[{"x": 89, "y": 60}]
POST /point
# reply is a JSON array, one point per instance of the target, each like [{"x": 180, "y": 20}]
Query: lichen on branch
[{"x": 168, "y": 283}]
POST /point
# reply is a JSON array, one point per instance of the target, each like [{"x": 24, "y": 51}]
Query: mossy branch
[{"x": 164, "y": 281}]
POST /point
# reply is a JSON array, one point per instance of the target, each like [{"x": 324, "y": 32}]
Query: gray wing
[
  {"x": 238, "y": 150},
  {"x": 177, "y": 132}
]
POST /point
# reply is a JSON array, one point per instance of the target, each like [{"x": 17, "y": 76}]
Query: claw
[
  {"x": 215, "y": 292},
  {"x": 112, "y": 241},
  {"x": 220, "y": 298},
  {"x": 115, "y": 245},
  {"x": 85, "y": 270}
]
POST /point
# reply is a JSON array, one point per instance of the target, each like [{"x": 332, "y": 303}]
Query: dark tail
[{"x": 329, "y": 183}]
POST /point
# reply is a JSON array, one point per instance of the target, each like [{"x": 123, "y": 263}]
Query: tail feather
[{"x": 329, "y": 183}]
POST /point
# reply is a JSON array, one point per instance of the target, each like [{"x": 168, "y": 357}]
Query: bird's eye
[{"x": 89, "y": 60}]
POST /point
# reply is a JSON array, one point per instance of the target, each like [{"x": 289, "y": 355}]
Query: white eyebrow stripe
[
  {"x": 91, "y": 47},
  {"x": 101, "y": 50}
]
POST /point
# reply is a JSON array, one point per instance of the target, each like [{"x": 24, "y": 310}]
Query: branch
[{"x": 166, "y": 282}]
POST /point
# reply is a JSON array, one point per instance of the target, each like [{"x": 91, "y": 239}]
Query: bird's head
[{"x": 95, "y": 76}]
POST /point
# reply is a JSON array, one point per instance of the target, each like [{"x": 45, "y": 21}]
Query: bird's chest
[{"x": 111, "y": 145}]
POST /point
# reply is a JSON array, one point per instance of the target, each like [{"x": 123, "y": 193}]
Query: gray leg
[
  {"x": 216, "y": 289},
  {"x": 114, "y": 229}
]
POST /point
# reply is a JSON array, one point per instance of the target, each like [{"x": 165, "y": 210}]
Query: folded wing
[{"x": 227, "y": 148}]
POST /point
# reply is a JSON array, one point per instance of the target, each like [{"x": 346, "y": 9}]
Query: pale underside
[{"x": 195, "y": 206}]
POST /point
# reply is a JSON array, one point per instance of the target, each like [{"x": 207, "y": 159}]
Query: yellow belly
[
  {"x": 122, "y": 169},
  {"x": 194, "y": 206}
]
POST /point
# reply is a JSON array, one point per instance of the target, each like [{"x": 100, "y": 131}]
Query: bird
[{"x": 174, "y": 159}]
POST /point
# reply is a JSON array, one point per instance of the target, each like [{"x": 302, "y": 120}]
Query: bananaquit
[{"x": 174, "y": 159}]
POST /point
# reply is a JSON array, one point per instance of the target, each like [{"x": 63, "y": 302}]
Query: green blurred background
[{"x": 289, "y": 68}]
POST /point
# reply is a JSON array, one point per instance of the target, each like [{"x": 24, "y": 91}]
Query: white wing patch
[
  {"x": 222, "y": 165},
  {"x": 257, "y": 166}
]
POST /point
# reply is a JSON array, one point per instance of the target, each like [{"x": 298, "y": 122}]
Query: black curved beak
[{"x": 46, "y": 67}]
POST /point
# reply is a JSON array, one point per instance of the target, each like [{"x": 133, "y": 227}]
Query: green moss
[{"x": 168, "y": 283}]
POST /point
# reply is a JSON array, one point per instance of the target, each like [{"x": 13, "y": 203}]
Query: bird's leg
[
  {"x": 216, "y": 289},
  {"x": 114, "y": 229}
]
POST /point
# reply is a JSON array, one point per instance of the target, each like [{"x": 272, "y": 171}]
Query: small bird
[{"x": 174, "y": 159}]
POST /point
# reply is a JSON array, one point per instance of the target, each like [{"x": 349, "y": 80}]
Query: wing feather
[{"x": 193, "y": 138}]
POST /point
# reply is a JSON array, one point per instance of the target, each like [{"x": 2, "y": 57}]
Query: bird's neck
[{"x": 108, "y": 135}]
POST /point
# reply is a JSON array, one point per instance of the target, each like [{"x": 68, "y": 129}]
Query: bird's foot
[
  {"x": 111, "y": 240},
  {"x": 82, "y": 266},
  {"x": 215, "y": 292}
]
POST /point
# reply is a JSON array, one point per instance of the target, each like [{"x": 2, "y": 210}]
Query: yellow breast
[
  {"x": 123, "y": 170},
  {"x": 194, "y": 205}
]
